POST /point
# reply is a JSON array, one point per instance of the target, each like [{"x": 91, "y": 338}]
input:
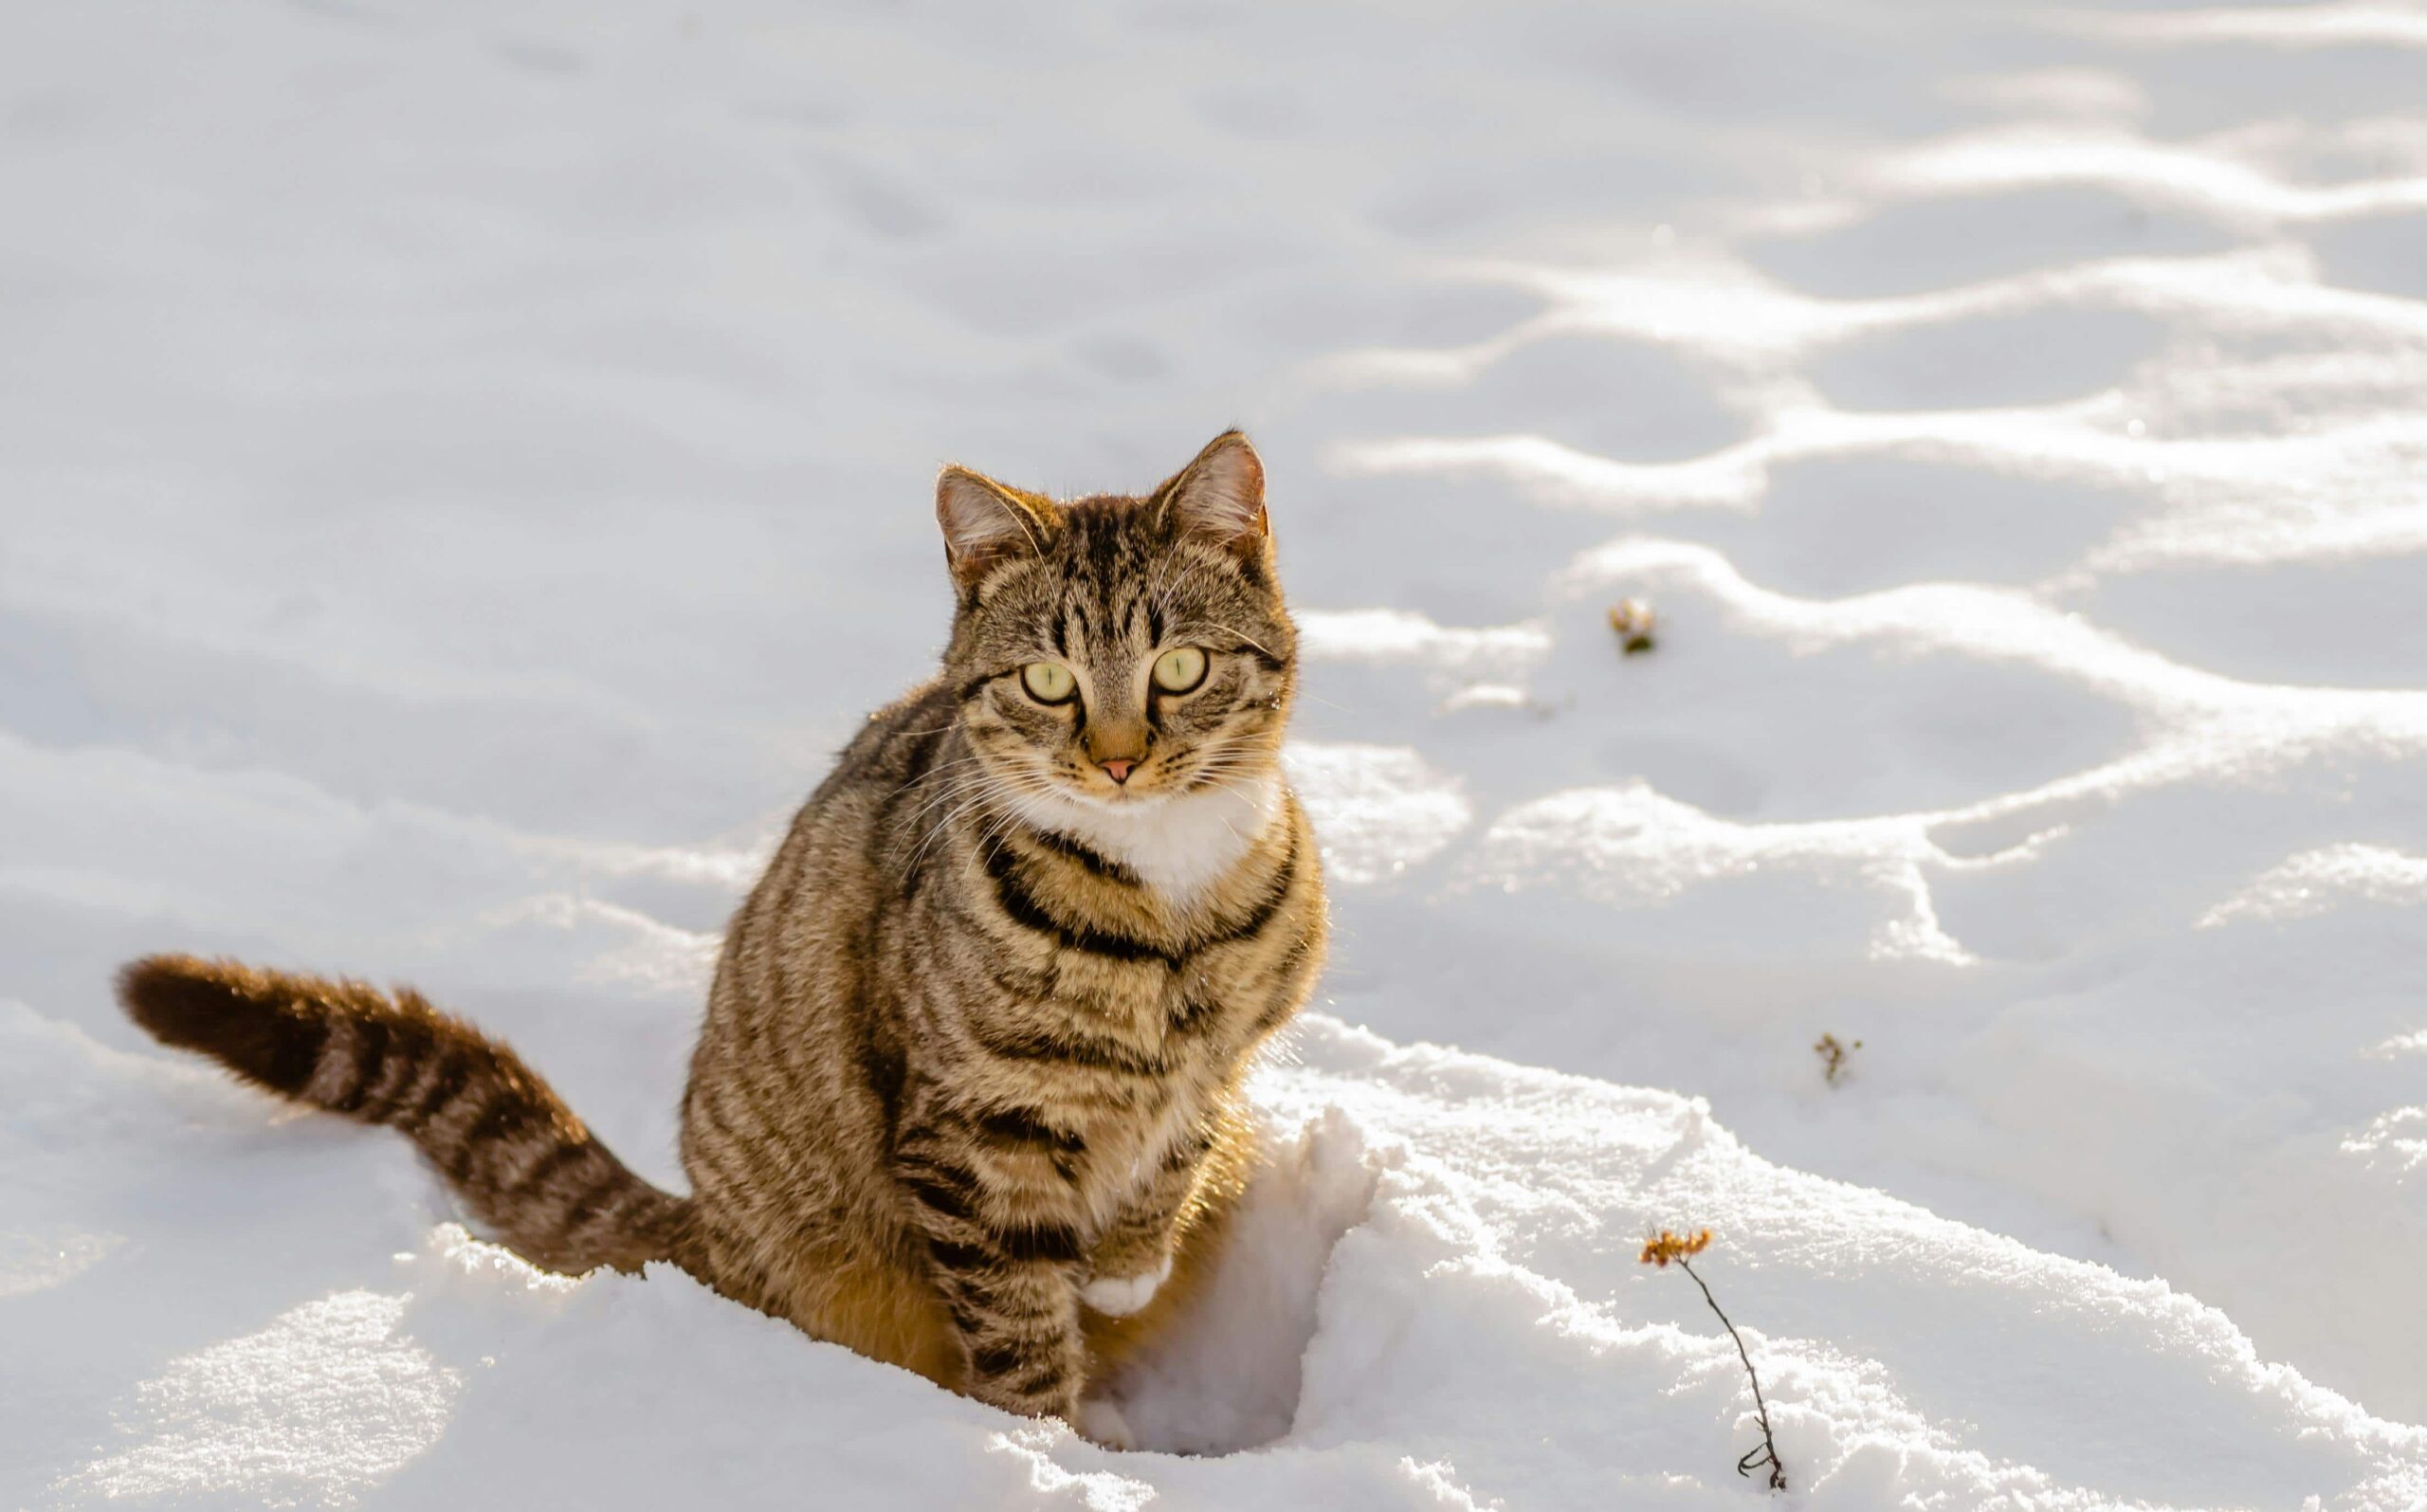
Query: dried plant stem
[{"x": 1766, "y": 1453}]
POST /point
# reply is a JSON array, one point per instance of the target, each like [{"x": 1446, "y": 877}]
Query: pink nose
[{"x": 1118, "y": 769}]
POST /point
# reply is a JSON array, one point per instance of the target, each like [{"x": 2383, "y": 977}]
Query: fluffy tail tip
[
  {"x": 176, "y": 998},
  {"x": 232, "y": 1013}
]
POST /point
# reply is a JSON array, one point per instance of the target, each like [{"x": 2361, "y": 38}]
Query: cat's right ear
[{"x": 986, "y": 524}]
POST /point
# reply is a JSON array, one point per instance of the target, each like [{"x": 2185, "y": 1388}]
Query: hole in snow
[{"x": 1226, "y": 1377}]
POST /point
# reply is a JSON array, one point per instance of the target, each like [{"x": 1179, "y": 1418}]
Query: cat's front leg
[
  {"x": 1010, "y": 1281},
  {"x": 1133, "y": 1258}
]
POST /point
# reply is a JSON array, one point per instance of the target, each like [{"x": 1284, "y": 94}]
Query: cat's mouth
[
  {"x": 1150, "y": 784},
  {"x": 1122, "y": 797},
  {"x": 1066, "y": 802},
  {"x": 1195, "y": 773}
]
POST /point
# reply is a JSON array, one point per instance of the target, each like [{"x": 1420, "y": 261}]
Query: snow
[{"x": 467, "y": 466}]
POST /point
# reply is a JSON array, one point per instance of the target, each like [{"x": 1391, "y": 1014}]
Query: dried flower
[
  {"x": 1636, "y": 627},
  {"x": 1668, "y": 1246},
  {"x": 1673, "y": 1247}
]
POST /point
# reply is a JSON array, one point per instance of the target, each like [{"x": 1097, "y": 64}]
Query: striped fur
[
  {"x": 523, "y": 1164},
  {"x": 969, "y": 1086}
]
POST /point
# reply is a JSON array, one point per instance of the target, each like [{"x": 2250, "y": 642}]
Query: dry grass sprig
[
  {"x": 1834, "y": 1053},
  {"x": 1668, "y": 1246}
]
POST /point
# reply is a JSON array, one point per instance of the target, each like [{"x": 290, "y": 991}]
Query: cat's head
[{"x": 1115, "y": 650}]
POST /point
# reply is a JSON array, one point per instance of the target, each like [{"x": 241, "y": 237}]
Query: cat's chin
[
  {"x": 1177, "y": 840},
  {"x": 1118, "y": 801}
]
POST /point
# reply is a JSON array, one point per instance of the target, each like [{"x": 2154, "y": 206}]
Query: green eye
[
  {"x": 1180, "y": 670},
  {"x": 1047, "y": 681}
]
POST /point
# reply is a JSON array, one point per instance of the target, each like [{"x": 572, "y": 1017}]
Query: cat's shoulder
[{"x": 904, "y": 732}]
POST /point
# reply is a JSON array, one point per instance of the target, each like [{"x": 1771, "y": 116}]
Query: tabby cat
[{"x": 968, "y": 1094}]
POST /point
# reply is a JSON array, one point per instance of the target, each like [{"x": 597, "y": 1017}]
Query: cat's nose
[{"x": 1118, "y": 768}]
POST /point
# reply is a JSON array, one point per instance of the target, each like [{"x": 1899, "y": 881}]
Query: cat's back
[
  {"x": 870, "y": 802},
  {"x": 803, "y": 943}
]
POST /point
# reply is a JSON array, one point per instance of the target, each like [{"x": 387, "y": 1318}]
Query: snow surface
[{"x": 462, "y": 469}]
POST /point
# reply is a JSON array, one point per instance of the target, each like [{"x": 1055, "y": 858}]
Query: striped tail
[{"x": 525, "y": 1166}]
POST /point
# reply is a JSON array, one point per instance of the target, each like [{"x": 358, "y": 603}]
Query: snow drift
[{"x": 465, "y": 469}]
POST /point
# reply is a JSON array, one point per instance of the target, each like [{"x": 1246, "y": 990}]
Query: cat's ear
[
  {"x": 1220, "y": 495},
  {"x": 985, "y": 523}
]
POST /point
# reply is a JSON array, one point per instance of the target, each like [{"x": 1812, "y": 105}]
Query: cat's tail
[{"x": 525, "y": 1166}]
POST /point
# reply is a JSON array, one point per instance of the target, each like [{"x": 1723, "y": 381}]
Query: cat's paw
[{"x": 1120, "y": 1296}]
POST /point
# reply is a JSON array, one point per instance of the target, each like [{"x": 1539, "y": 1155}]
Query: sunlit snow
[{"x": 467, "y": 469}]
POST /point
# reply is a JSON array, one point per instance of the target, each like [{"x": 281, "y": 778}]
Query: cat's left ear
[
  {"x": 1220, "y": 495},
  {"x": 984, "y": 522}
]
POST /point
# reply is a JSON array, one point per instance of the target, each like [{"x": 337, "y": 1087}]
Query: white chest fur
[{"x": 1177, "y": 846}]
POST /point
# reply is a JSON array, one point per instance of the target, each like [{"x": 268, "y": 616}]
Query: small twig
[
  {"x": 1767, "y": 1451},
  {"x": 1672, "y": 1247}
]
